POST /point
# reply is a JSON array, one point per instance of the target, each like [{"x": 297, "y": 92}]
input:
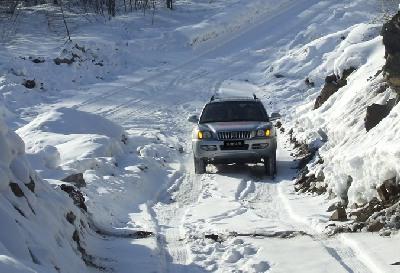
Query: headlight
[
  {"x": 263, "y": 133},
  {"x": 204, "y": 135},
  {"x": 260, "y": 133}
]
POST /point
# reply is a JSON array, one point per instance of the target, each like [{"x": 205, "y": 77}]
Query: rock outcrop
[
  {"x": 76, "y": 196},
  {"x": 332, "y": 84},
  {"x": 30, "y": 84},
  {"x": 339, "y": 215},
  {"x": 389, "y": 190},
  {"x": 377, "y": 112},
  {"x": 391, "y": 39},
  {"x": 76, "y": 179}
]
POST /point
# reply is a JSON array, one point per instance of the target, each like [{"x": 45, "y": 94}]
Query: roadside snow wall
[
  {"x": 356, "y": 162},
  {"x": 347, "y": 35},
  {"x": 35, "y": 235}
]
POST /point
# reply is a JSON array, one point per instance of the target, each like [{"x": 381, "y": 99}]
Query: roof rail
[{"x": 216, "y": 97}]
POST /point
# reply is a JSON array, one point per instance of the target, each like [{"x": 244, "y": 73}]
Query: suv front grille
[{"x": 234, "y": 135}]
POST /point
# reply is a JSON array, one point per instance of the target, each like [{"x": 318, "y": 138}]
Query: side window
[{"x": 262, "y": 108}]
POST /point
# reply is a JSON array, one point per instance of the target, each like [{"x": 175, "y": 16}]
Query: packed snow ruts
[{"x": 324, "y": 45}]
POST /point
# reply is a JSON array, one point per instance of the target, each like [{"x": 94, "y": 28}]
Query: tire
[
  {"x": 270, "y": 165},
  {"x": 199, "y": 166}
]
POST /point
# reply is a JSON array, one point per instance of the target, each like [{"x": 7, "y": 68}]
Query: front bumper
[{"x": 214, "y": 151}]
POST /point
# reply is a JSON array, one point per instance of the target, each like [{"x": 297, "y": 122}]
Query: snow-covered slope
[
  {"x": 37, "y": 221},
  {"x": 369, "y": 158}
]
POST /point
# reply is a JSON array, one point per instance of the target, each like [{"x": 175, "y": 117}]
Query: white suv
[{"x": 234, "y": 130}]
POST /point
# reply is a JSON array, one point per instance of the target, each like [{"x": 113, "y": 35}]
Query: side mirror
[
  {"x": 193, "y": 119},
  {"x": 275, "y": 116}
]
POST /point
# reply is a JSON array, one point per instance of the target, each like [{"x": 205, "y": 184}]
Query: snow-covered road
[
  {"x": 258, "y": 221},
  {"x": 119, "y": 117}
]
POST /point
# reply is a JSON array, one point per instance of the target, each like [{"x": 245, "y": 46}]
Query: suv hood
[{"x": 235, "y": 126}]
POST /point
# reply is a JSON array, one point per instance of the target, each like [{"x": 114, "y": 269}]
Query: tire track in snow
[
  {"x": 194, "y": 63},
  {"x": 244, "y": 189},
  {"x": 265, "y": 199},
  {"x": 346, "y": 256},
  {"x": 170, "y": 217}
]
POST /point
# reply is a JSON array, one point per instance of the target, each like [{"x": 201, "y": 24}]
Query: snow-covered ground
[{"x": 118, "y": 113}]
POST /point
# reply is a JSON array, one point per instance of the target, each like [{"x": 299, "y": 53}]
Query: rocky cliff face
[{"x": 391, "y": 40}]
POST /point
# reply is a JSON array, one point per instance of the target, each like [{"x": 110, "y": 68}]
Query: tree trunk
[
  {"x": 169, "y": 4},
  {"x": 65, "y": 21},
  {"x": 111, "y": 7}
]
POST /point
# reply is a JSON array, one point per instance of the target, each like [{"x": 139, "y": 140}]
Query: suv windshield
[{"x": 234, "y": 111}]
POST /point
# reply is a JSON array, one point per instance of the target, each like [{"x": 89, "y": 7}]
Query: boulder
[
  {"x": 375, "y": 226},
  {"x": 332, "y": 84},
  {"x": 388, "y": 190},
  {"x": 214, "y": 237},
  {"x": 59, "y": 61},
  {"x": 309, "y": 83},
  {"x": 76, "y": 179},
  {"x": 141, "y": 234},
  {"x": 38, "y": 60},
  {"x": 30, "y": 84},
  {"x": 16, "y": 189},
  {"x": 31, "y": 184},
  {"x": 339, "y": 215},
  {"x": 71, "y": 217},
  {"x": 363, "y": 213},
  {"x": 376, "y": 113}
]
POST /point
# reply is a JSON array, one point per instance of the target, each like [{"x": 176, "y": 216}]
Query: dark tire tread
[
  {"x": 199, "y": 166},
  {"x": 270, "y": 165}
]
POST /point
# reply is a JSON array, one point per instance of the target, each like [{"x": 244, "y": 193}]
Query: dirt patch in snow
[{"x": 285, "y": 234}]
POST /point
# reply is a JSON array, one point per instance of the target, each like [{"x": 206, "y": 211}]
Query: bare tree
[
  {"x": 111, "y": 7},
  {"x": 169, "y": 4},
  {"x": 84, "y": 7},
  {"x": 64, "y": 20}
]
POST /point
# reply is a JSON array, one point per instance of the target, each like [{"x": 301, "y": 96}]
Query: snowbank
[
  {"x": 122, "y": 175},
  {"x": 66, "y": 135},
  {"x": 27, "y": 204},
  {"x": 351, "y": 154}
]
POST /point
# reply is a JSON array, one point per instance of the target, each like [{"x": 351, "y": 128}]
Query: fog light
[
  {"x": 209, "y": 147},
  {"x": 260, "y": 146}
]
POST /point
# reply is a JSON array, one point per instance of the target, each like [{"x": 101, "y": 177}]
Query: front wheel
[
  {"x": 199, "y": 166},
  {"x": 270, "y": 165}
]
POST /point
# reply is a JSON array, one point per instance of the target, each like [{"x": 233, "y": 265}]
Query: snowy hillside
[
  {"x": 356, "y": 159},
  {"x": 96, "y": 164}
]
